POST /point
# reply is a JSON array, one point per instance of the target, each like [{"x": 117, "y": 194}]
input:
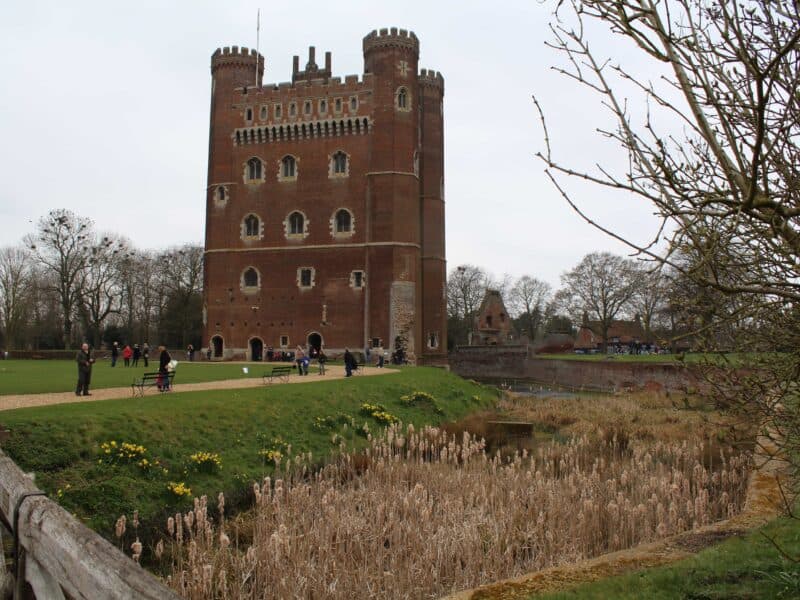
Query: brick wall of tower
[{"x": 382, "y": 191}]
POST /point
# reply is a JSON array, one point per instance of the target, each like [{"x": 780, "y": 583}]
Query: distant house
[
  {"x": 492, "y": 326},
  {"x": 621, "y": 333}
]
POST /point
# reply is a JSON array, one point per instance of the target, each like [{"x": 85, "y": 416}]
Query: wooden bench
[
  {"x": 149, "y": 380},
  {"x": 281, "y": 373}
]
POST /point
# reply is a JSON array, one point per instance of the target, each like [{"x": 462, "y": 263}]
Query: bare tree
[
  {"x": 649, "y": 294},
  {"x": 528, "y": 299},
  {"x": 466, "y": 287},
  {"x": 60, "y": 247},
  {"x": 99, "y": 289},
  {"x": 715, "y": 152},
  {"x": 602, "y": 285},
  {"x": 15, "y": 296},
  {"x": 181, "y": 275}
]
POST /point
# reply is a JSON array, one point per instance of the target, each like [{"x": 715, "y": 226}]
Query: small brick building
[
  {"x": 492, "y": 326},
  {"x": 325, "y": 205}
]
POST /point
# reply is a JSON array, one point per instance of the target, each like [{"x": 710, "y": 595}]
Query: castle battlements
[
  {"x": 349, "y": 84},
  {"x": 431, "y": 78},
  {"x": 236, "y": 57},
  {"x": 391, "y": 38}
]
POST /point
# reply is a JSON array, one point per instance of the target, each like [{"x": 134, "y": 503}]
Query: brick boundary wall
[{"x": 604, "y": 375}]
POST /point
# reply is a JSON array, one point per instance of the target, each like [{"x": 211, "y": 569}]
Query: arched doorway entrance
[
  {"x": 256, "y": 349},
  {"x": 315, "y": 342},
  {"x": 217, "y": 346}
]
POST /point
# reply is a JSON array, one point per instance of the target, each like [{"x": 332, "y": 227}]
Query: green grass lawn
[
  {"x": 61, "y": 444},
  {"x": 745, "y": 568},
  {"x": 42, "y": 376}
]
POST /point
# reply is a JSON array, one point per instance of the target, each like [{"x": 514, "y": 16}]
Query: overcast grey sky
[{"x": 104, "y": 111}]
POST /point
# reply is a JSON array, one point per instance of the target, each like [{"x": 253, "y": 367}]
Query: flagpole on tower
[{"x": 258, "y": 34}]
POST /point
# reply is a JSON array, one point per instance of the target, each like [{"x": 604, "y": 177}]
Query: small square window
[
  {"x": 357, "y": 279},
  {"x": 305, "y": 277},
  {"x": 376, "y": 342}
]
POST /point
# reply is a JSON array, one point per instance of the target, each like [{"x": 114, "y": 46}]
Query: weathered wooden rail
[{"x": 58, "y": 558}]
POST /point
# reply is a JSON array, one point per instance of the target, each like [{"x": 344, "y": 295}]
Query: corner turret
[
  {"x": 389, "y": 39},
  {"x": 237, "y": 66}
]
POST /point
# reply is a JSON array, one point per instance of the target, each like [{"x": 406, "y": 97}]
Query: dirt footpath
[
  {"x": 763, "y": 503},
  {"x": 27, "y": 400}
]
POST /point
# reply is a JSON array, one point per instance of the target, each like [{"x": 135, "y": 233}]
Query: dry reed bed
[{"x": 426, "y": 514}]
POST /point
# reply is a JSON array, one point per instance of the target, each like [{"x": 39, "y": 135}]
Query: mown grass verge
[
  {"x": 743, "y": 567},
  {"x": 63, "y": 444},
  {"x": 46, "y": 376}
]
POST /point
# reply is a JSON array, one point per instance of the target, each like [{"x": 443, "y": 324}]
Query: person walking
[
  {"x": 137, "y": 354},
  {"x": 85, "y": 361},
  {"x": 190, "y": 353},
  {"x": 114, "y": 354},
  {"x": 127, "y": 354},
  {"x": 146, "y": 354},
  {"x": 321, "y": 360},
  {"x": 163, "y": 368},
  {"x": 299, "y": 356},
  {"x": 349, "y": 362}
]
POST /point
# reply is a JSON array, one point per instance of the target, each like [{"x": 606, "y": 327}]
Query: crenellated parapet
[
  {"x": 235, "y": 57},
  {"x": 431, "y": 78},
  {"x": 391, "y": 38}
]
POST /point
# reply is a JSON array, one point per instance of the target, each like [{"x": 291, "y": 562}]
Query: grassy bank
[
  {"x": 63, "y": 444},
  {"x": 747, "y": 567}
]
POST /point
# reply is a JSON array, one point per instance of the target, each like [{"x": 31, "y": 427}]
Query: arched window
[
  {"x": 251, "y": 225},
  {"x": 249, "y": 114},
  {"x": 402, "y": 99},
  {"x": 221, "y": 195},
  {"x": 254, "y": 169},
  {"x": 250, "y": 277},
  {"x": 344, "y": 221},
  {"x": 339, "y": 163},
  {"x": 288, "y": 166},
  {"x": 296, "y": 223}
]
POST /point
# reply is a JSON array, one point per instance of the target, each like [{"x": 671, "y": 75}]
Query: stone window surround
[
  {"x": 292, "y": 109},
  {"x": 300, "y": 278},
  {"x": 338, "y": 103},
  {"x": 248, "y": 110},
  {"x": 243, "y": 228},
  {"x": 220, "y": 201},
  {"x": 339, "y": 235},
  {"x": 407, "y": 107},
  {"x": 263, "y": 113},
  {"x": 281, "y": 177},
  {"x": 332, "y": 174},
  {"x": 284, "y": 341},
  {"x": 435, "y": 336},
  {"x": 322, "y": 106},
  {"x": 287, "y": 228},
  {"x": 353, "y": 279},
  {"x": 246, "y": 173},
  {"x": 353, "y": 103},
  {"x": 249, "y": 289},
  {"x": 278, "y": 110}
]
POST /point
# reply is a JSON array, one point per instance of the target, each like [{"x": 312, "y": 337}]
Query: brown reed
[{"x": 431, "y": 513}]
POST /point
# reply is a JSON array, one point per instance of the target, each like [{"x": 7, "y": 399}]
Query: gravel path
[{"x": 26, "y": 400}]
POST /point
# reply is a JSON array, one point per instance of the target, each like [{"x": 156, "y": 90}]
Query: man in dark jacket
[
  {"x": 114, "y": 354},
  {"x": 349, "y": 363},
  {"x": 84, "y": 360}
]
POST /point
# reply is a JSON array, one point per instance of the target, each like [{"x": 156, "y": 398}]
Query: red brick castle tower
[{"x": 325, "y": 207}]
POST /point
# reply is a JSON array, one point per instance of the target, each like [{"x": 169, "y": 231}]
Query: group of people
[
  {"x": 130, "y": 356},
  {"x": 85, "y": 362},
  {"x": 303, "y": 359}
]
